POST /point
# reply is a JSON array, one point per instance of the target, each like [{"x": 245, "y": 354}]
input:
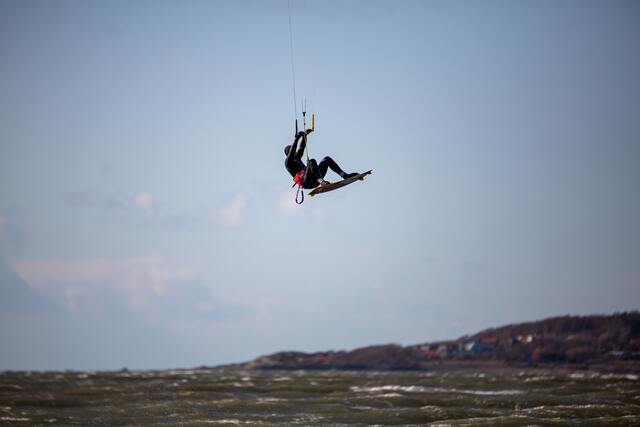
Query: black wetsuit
[{"x": 313, "y": 171}]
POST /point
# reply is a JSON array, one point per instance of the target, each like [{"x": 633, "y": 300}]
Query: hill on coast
[{"x": 605, "y": 342}]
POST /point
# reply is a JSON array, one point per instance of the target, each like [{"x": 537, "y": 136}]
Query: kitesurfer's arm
[
  {"x": 303, "y": 144},
  {"x": 293, "y": 155}
]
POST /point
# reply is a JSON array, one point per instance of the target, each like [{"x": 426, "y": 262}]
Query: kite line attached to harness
[
  {"x": 298, "y": 179},
  {"x": 312, "y": 174}
]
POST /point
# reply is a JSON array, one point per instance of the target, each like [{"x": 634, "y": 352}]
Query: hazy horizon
[{"x": 147, "y": 220}]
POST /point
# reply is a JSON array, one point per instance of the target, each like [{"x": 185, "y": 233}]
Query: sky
[{"x": 147, "y": 220}]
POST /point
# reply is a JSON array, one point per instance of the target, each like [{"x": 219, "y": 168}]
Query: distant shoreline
[
  {"x": 624, "y": 368},
  {"x": 489, "y": 367},
  {"x": 597, "y": 343}
]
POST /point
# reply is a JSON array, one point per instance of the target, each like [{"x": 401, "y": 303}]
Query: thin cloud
[
  {"x": 12, "y": 237},
  {"x": 113, "y": 202},
  {"x": 139, "y": 281},
  {"x": 141, "y": 208},
  {"x": 145, "y": 202},
  {"x": 93, "y": 197},
  {"x": 107, "y": 169},
  {"x": 86, "y": 197},
  {"x": 287, "y": 204},
  {"x": 234, "y": 214},
  {"x": 15, "y": 294},
  {"x": 149, "y": 288}
]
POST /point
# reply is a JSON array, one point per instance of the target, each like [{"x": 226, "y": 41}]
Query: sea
[{"x": 206, "y": 397}]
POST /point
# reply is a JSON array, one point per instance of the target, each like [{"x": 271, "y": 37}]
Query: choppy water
[{"x": 205, "y": 397}]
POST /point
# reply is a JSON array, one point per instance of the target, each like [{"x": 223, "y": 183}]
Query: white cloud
[
  {"x": 137, "y": 281},
  {"x": 287, "y": 203},
  {"x": 128, "y": 207},
  {"x": 144, "y": 201},
  {"x": 74, "y": 297},
  {"x": 112, "y": 201},
  {"x": 234, "y": 213}
]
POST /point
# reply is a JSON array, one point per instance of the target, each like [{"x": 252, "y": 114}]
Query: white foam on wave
[
  {"x": 240, "y": 385},
  {"x": 363, "y": 408},
  {"x": 262, "y": 400},
  {"x": 21, "y": 419},
  {"x": 382, "y": 388},
  {"x": 586, "y": 406},
  {"x": 181, "y": 372},
  {"x": 433, "y": 409},
  {"x": 630, "y": 377},
  {"x": 223, "y": 401},
  {"x": 582, "y": 375},
  {"x": 547, "y": 410},
  {"x": 422, "y": 389},
  {"x": 387, "y": 395},
  {"x": 538, "y": 378},
  {"x": 490, "y": 392}
]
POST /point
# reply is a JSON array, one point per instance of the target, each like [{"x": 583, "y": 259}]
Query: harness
[{"x": 297, "y": 180}]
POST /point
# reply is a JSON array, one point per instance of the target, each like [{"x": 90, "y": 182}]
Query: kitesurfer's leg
[
  {"x": 312, "y": 175},
  {"x": 327, "y": 163}
]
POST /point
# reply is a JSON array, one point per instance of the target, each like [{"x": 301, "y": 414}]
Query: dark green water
[{"x": 205, "y": 397}]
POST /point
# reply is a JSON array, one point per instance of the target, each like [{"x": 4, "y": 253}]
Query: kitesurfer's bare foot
[{"x": 323, "y": 182}]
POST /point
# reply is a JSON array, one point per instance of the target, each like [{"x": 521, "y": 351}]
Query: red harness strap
[{"x": 297, "y": 180}]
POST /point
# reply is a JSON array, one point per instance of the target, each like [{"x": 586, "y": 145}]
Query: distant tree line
[
  {"x": 559, "y": 340},
  {"x": 566, "y": 339}
]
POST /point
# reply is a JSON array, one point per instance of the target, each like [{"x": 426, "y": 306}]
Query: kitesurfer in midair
[{"x": 311, "y": 175}]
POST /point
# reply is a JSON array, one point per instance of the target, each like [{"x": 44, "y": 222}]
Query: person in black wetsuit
[{"x": 314, "y": 172}]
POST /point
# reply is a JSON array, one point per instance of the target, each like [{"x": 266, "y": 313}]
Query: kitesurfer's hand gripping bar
[{"x": 313, "y": 125}]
